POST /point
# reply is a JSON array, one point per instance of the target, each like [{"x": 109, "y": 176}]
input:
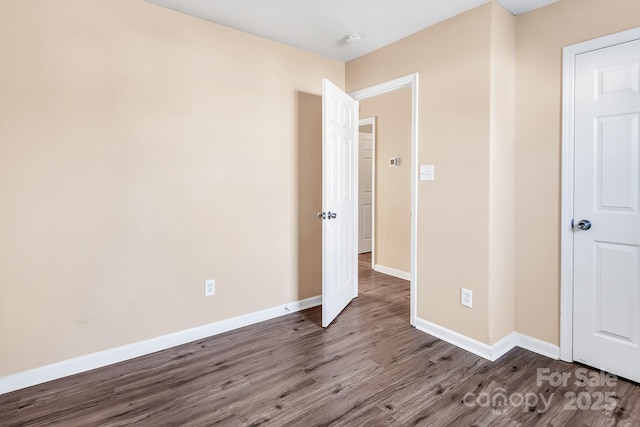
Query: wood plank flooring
[{"x": 370, "y": 368}]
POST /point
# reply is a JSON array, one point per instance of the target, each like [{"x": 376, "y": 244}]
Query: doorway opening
[{"x": 410, "y": 81}]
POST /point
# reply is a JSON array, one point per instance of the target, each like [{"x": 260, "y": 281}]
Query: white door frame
[
  {"x": 566, "y": 238},
  {"x": 363, "y": 122},
  {"x": 407, "y": 81}
]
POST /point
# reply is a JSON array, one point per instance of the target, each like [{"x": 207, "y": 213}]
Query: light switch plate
[{"x": 427, "y": 172}]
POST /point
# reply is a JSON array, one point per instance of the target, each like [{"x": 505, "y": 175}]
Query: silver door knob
[
  {"x": 584, "y": 224},
  {"x": 331, "y": 215},
  {"x": 321, "y": 215}
]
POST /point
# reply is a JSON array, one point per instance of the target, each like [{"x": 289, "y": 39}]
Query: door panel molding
[{"x": 568, "y": 134}]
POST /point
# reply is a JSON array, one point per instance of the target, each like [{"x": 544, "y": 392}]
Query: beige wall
[
  {"x": 466, "y": 89},
  {"x": 143, "y": 151},
  {"x": 393, "y": 185},
  {"x": 454, "y": 91},
  {"x": 541, "y": 35}
]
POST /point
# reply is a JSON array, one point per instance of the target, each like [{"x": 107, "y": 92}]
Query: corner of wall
[{"x": 502, "y": 175}]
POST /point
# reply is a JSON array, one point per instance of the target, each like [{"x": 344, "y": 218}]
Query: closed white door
[
  {"x": 365, "y": 199},
  {"x": 339, "y": 201},
  {"x": 606, "y": 318}
]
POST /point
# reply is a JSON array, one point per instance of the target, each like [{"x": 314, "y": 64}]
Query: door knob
[
  {"x": 327, "y": 215},
  {"x": 584, "y": 224}
]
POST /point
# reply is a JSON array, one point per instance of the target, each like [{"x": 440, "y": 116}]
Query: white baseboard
[
  {"x": 130, "y": 351},
  {"x": 544, "y": 348},
  {"x": 476, "y": 347},
  {"x": 486, "y": 351},
  {"x": 504, "y": 346},
  {"x": 392, "y": 272}
]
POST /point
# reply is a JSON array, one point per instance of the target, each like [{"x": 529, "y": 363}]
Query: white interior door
[
  {"x": 606, "y": 318},
  {"x": 339, "y": 200},
  {"x": 365, "y": 195}
]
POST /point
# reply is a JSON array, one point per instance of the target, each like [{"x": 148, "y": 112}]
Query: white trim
[
  {"x": 566, "y": 247},
  {"x": 544, "y": 348},
  {"x": 141, "y": 348},
  {"x": 392, "y": 272},
  {"x": 503, "y": 346},
  {"x": 382, "y": 88},
  {"x": 486, "y": 351},
  {"x": 469, "y": 344},
  {"x": 363, "y": 122},
  {"x": 399, "y": 83}
]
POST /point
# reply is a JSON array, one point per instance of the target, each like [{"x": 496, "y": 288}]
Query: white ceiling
[{"x": 319, "y": 26}]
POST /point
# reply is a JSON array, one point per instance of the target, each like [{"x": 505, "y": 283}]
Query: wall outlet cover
[
  {"x": 466, "y": 298},
  {"x": 209, "y": 287}
]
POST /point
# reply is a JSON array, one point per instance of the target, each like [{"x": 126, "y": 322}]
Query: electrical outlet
[
  {"x": 466, "y": 297},
  {"x": 209, "y": 287}
]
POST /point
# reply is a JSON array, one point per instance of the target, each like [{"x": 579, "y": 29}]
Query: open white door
[
  {"x": 365, "y": 192},
  {"x": 339, "y": 200},
  {"x": 606, "y": 317}
]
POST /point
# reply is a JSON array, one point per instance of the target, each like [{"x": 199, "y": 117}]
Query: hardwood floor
[{"x": 368, "y": 368}]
